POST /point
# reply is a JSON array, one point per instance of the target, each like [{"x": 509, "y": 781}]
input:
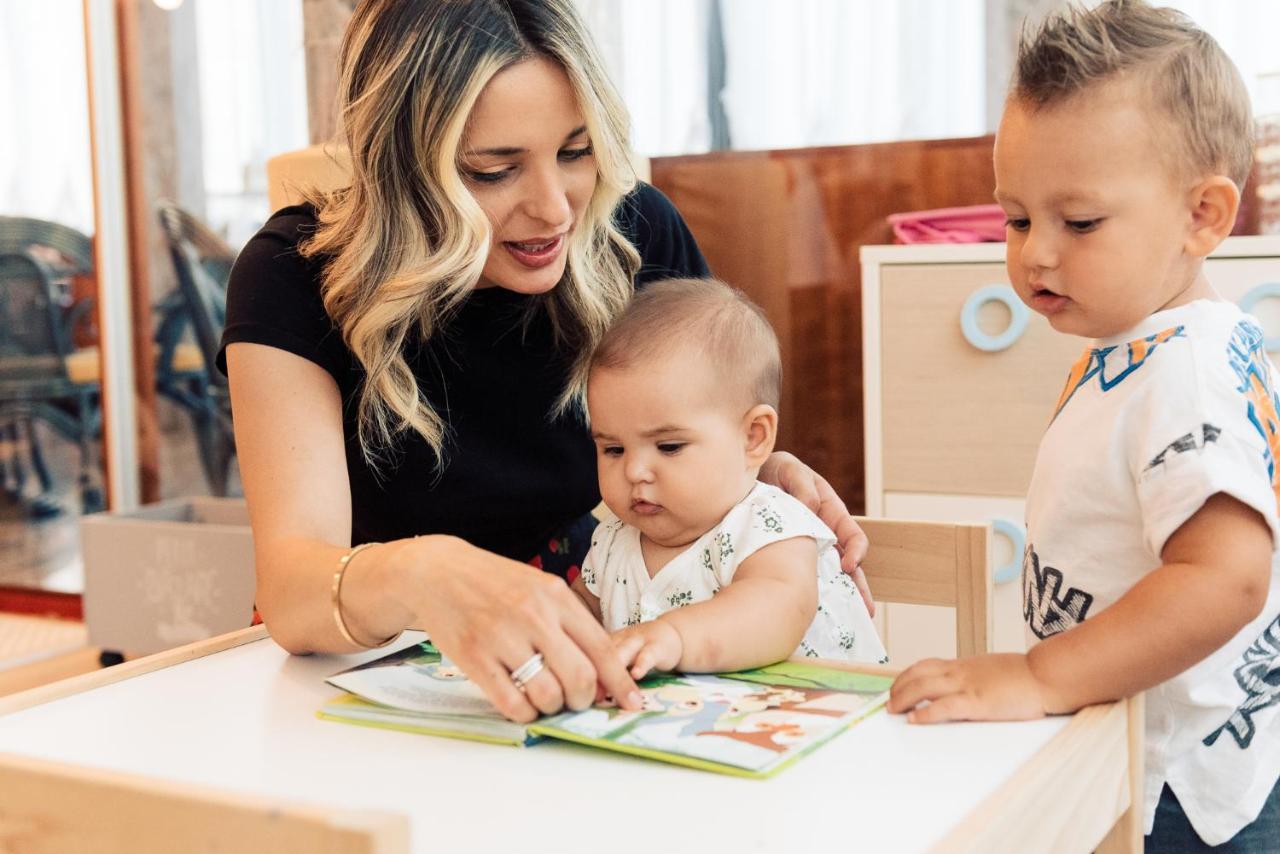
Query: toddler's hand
[
  {"x": 654, "y": 645},
  {"x": 986, "y": 687}
]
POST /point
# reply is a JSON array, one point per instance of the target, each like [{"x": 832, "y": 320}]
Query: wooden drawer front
[
  {"x": 912, "y": 632},
  {"x": 957, "y": 419}
]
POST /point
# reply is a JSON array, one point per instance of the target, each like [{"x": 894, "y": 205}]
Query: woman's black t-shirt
[{"x": 511, "y": 476}]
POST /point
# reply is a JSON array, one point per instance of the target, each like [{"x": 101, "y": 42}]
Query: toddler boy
[{"x": 1152, "y": 513}]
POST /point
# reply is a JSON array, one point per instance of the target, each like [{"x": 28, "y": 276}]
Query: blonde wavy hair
[
  {"x": 1185, "y": 76},
  {"x": 406, "y": 242}
]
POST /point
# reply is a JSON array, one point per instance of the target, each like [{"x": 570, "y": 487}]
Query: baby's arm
[
  {"x": 588, "y": 598},
  {"x": 758, "y": 619},
  {"x": 1214, "y": 580}
]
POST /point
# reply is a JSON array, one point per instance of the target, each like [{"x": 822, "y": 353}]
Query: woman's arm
[
  {"x": 757, "y": 619},
  {"x": 488, "y": 613}
]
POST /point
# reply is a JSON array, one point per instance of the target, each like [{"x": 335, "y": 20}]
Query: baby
[{"x": 699, "y": 567}]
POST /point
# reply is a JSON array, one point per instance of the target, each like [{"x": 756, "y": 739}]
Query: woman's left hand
[{"x": 804, "y": 484}]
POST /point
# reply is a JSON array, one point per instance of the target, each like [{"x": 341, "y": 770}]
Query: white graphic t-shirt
[
  {"x": 1150, "y": 425},
  {"x": 614, "y": 571}
]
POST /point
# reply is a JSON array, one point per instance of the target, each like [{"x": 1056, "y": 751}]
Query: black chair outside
[
  {"x": 202, "y": 262},
  {"x": 35, "y": 383},
  {"x": 73, "y": 247}
]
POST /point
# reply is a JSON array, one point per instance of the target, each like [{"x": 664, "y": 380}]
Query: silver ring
[{"x": 522, "y": 675}]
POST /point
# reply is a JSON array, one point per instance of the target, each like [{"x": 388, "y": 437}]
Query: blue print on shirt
[
  {"x": 1049, "y": 605},
  {"x": 1094, "y": 364},
  {"x": 1247, "y": 354},
  {"x": 1258, "y": 675}
]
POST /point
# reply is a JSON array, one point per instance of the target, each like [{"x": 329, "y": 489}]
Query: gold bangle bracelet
[{"x": 343, "y": 563}]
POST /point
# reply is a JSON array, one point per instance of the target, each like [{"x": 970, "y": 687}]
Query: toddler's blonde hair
[{"x": 1183, "y": 74}]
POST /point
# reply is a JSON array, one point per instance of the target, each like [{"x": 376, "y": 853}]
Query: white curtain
[
  {"x": 797, "y": 73},
  {"x": 656, "y": 51},
  {"x": 1249, "y": 31},
  {"x": 253, "y": 104},
  {"x": 45, "y": 159},
  {"x": 834, "y": 72}
]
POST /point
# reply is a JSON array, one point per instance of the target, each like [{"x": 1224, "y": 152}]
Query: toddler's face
[
  {"x": 671, "y": 453},
  {"x": 1097, "y": 221}
]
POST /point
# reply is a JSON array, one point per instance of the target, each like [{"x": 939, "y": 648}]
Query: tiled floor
[{"x": 25, "y": 640}]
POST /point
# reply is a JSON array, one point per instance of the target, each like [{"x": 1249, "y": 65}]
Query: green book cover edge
[{"x": 791, "y": 673}]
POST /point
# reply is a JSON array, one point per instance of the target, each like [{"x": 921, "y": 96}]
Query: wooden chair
[{"x": 934, "y": 563}]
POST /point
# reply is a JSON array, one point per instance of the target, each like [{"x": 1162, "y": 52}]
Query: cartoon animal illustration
[{"x": 771, "y": 729}]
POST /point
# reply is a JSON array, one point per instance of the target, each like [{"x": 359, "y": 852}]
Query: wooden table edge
[
  {"x": 1098, "y": 754},
  {"x": 63, "y": 807},
  {"x": 127, "y": 670}
]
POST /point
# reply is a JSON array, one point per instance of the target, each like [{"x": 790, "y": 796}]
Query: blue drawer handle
[
  {"x": 1256, "y": 294},
  {"x": 1017, "y": 537},
  {"x": 1018, "y": 312}
]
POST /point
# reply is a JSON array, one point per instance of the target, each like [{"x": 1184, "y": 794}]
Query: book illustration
[
  {"x": 746, "y": 725},
  {"x": 750, "y": 723}
]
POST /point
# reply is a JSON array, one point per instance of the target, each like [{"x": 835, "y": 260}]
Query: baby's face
[
  {"x": 671, "y": 452},
  {"x": 1097, "y": 220}
]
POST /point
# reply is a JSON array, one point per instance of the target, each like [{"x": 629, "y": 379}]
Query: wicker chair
[{"x": 35, "y": 352}]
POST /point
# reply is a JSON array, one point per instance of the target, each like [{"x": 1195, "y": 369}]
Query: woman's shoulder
[
  {"x": 274, "y": 293},
  {"x": 273, "y": 252},
  {"x": 649, "y": 220},
  {"x": 645, "y": 206},
  {"x": 289, "y": 226}
]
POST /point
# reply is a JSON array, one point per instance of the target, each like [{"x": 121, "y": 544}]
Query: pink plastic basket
[{"x": 972, "y": 224}]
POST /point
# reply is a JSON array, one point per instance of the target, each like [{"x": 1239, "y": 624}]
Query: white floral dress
[{"x": 614, "y": 571}]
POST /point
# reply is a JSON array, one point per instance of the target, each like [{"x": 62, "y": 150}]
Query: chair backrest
[
  {"x": 19, "y": 232},
  {"x": 202, "y": 262},
  {"x": 934, "y": 563},
  {"x": 33, "y": 343}
]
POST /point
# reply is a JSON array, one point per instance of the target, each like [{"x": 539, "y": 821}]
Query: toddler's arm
[
  {"x": 1213, "y": 582},
  {"x": 758, "y": 619}
]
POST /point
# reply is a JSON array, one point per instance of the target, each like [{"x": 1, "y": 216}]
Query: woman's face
[{"x": 527, "y": 159}]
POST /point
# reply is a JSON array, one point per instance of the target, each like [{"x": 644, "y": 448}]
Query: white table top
[{"x": 244, "y": 720}]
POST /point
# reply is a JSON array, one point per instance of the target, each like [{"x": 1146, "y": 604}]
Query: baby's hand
[
  {"x": 654, "y": 645},
  {"x": 983, "y": 688}
]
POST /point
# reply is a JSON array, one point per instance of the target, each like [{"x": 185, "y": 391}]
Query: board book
[{"x": 751, "y": 723}]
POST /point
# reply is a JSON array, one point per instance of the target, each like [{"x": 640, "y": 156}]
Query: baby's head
[
  {"x": 1124, "y": 144},
  {"x": 682, "y": 396}
]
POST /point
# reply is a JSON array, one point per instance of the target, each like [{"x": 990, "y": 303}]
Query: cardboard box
[{"x": 167, "y": 574}]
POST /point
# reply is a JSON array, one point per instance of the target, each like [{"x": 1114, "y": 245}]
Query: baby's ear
[
  {"x": 761, "y": 423},
  {"x": 1213, "y": 202}
]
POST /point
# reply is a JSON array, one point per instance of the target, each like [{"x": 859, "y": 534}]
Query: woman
[{"x": 405, "y": 355}]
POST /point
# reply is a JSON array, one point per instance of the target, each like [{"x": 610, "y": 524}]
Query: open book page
[
  {"x": 416, "y": 679},
  {"x": 750, "y": 723},
  {"x": 753, "y": 722}
]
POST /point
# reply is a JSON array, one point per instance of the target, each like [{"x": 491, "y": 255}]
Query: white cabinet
[{"x": 953, "y": 416}]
